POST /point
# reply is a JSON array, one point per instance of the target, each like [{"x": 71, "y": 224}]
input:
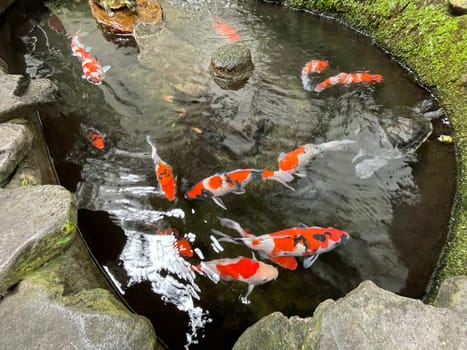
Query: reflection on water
[{"x": 373, "y": 188}]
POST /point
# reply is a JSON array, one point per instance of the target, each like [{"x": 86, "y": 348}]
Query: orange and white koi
[
  {"x": 294, "y": 161},
  {"x": 96, "y": 138},
  {"x": 226, "y": 30},
  {"x": 313, "y": 66},
  {"x": 242, "y": 269},
  {"x": 92, "y": 69},
  {"x": 182, "y": 244},
  {"x": 302, "y": 241},
  {"x": 347, "y": 79},
  {"x": 165, "y": 176},
  {"x": 235, "y": 181}
]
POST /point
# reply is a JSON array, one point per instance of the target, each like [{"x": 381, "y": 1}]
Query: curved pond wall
[{"x": 430, "y": 41}]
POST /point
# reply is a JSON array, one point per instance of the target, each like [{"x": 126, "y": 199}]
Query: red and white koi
[
  {"x": 294, "y": 161},
  {"x": 235, "y": 181},
  {"x": 313, "y": 66},
  {"x": 347, "y": 79},
  {"x": 226, "y": 30},
  {"x": 96, "y": 138},
  {"x": 165, "y": 176},
  {"x": 302, "y": 241},
  {"x": 92, "y": 69},
  {"x": 242, "y": 269},
  {"x": 182, "y": 244}
]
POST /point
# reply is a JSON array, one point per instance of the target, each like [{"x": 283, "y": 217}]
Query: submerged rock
[
  {"x": 367, "y": 318},
  {"x": 20, "y": 95},
  {"x": 36, "y": 223},
  {"x": 231, "y": 65},
  {"x": 124, "y": 20},
  {"x": 3, "y": 67},
  {"x": 15, "y": 142}
]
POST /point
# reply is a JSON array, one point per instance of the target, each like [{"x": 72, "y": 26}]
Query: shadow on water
[{"x": 383, "y": 192}]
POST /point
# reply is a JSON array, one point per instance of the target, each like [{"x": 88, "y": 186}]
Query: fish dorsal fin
[
  {"x": 281, "y": 156},
  {"x": 302, "y": 225},
  {"x": 106, "y": 68}
]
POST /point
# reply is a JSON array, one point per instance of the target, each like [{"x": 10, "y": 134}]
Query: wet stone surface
[{"x": 15, "y": 142}]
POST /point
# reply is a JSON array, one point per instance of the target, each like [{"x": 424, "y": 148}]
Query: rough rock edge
[{"x": 429, "y": 41}]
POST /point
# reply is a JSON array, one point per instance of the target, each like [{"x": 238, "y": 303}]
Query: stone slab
[{"x": 36, "y": 223}]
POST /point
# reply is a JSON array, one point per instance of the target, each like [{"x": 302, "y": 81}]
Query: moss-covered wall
[{"x": 425, "y": 37}]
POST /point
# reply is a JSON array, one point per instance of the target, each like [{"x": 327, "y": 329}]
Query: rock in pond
[
  {"x": 231, "y": 65},
  {"x": 3, "y": 67},
  {"x": 36, "y": 223},
  {"x": 21, "y": 95},
  {"x": 124, "y": 20},
  {"x": 367, "y": 318},
  {"x": 15, "y": 142}
]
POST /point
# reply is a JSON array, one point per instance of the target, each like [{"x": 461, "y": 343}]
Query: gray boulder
[
  {"x": 453, "y": 294},
  {"x": 15, "y": 142},
  {"x": 22, "y": 96},
  {"x": 458, "y": 7},
  {"x": 367, "y": 318},
  {"x": 36, "y": 224},
  {"x": 41, "y": 314}
]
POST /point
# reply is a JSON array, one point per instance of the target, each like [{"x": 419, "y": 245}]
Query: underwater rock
[
  {"x": 4, "y": 4},
  {"x": 124, "y": 20},
  {"x": 385, "y": 321},
  {"x": 458, "y": 7},
  {"x": 231, "y": 65},
  {"x": 15, "y": 142},
  {"x": 20, "y": 95},
  {"x": 36, "y": 223}
]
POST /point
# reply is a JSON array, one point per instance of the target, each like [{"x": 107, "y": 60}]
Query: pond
[{"x": 380, "y": 189}]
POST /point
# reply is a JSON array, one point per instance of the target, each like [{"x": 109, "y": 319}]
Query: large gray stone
[
  {"x": 15, "y": 142},
  {"x": 367, "y": 318},
  {"x": 36, "y": 223},
  {"x": 231, "y": 65},
  {"x": 453, "y": 294},
  {"x": 42, "y": 315},
  {"x": 35, "y": 169},
  {"x": 458, "y": 7},
  {"x": 21, "y": 96}
]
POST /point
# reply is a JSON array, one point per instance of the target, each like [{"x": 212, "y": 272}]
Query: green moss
[
  {"x": 428, "y": 40},
  {"x": 26, "y": 181}
]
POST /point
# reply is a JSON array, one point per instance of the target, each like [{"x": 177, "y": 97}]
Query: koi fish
[
  {"x": 348, "y": 78},
  {"x": 313, "y": 66},
  {"x": 226, "y": 30},
  {"x": 77, "y": 48},
  {"x": 92, "y": 69},
  {"x": 308, "y": 242},
  {"x": 235, "y": 181},
  {"x": 294, "y": 161},
  {"x": 242, "y": 269},
  {"x": 96, "y": 138},
  {"x": 182, "y": 245},
  {"x": 165, "y": 177}
]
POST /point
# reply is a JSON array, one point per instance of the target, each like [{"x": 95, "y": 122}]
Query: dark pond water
[{"x": 394, "y": 202}]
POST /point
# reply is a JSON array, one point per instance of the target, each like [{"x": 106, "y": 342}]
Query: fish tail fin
[
  {"x": 234, "y": 226},
  {"x": 283, "y": 177},
  {"x": 155, "y": 157},
  {"x": 204, "y": 270},
  {"x": 224, "y": 237}
]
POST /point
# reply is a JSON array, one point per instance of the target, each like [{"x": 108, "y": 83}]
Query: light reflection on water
[{"x": 357, "y": 189}]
